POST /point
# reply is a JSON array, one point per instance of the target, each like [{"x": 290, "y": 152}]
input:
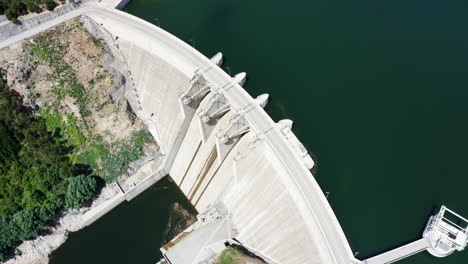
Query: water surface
[{"x": 377, "y": 91}]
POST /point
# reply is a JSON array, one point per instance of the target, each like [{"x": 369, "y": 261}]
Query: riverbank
[
  {"x": 112, "y": 127},
  {"x": 37, "y": 251},
  {"x": 132, "y": 232}
]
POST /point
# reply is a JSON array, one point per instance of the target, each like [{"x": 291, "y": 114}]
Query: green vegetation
[
  {"x": 37, "y": 177},
  {"x": 233, "y": 255},
  {"x": 80, "y": 189},
  {"x": 15, "y": 8},
  {"x": 21, "y": 226},
  {"x": 111, "y": 160},
  {"x": 108, "y": 160},
  {"x": 98, "y": 41},
  {"x": 9, "y": 146},
  {"x": 51, "y": 157},
  {"x": 68, "y": 129},
  {"x": 228, "y": 256},
  {"x": 47, "y": 48}
]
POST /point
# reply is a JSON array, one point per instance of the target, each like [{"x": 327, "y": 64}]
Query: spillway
[{"x": 225, "y": 152}]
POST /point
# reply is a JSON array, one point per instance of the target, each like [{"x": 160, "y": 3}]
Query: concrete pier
[
  {"x": 444, "y": 233},
  {"x": 399, "y": 253}
]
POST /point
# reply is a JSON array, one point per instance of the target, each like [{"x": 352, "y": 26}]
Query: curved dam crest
[{"x": 259, "y": 179}]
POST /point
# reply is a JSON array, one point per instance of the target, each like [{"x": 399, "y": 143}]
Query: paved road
[
  {"x": 45, "y": 26},
  {"x": 305, "y": 189}
]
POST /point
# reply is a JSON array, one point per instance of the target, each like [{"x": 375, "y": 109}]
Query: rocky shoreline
[{"x": 37, "y": 251}]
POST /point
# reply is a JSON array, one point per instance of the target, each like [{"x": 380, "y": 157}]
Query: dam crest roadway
[{"x": 248, "y": 176}]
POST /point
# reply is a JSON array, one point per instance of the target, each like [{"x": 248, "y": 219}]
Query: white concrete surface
[
  {"x": 399, "y": 253},
  {"x": 187, "y": 251}
]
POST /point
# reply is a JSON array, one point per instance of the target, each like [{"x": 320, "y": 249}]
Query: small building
[{"x": 446, "y": 232}]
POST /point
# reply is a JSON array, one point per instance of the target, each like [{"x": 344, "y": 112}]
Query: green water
[
  {"x": 377, "y": 91},
  {"x": 132, "y": 233}
]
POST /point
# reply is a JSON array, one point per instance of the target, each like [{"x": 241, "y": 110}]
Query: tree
[
  {"x": 36, "y": 173},
  {"x": 50, "y": 5},
  {"x": 8, "y": 144},
  {"x": 11, "y": 15},
  {"x": 15, "y": 9},
  {"x": 80, "y": 189},
  {"x": 8, "y": 235},
  {"x": 33, "y": 6},
  {"x": 27, "y": 224}
]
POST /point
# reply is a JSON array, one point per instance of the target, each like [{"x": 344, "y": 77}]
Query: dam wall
[
  {"x": 156, "y": 97},
  {"x": 238, "y": 167}
]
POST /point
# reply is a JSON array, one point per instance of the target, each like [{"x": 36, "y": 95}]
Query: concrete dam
[{"x": 247, "y": 176}]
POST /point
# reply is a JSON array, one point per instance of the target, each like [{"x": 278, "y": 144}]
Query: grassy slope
[{"x": 108, "y": 160}]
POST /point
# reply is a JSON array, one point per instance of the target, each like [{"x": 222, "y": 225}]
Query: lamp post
[
  {"x": 229, "y": 70},
  {"x": 157, "y": 21},
  {"x": 193, "y": 43}
]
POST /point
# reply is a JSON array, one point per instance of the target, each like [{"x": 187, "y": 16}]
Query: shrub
[
  {"x": 33, "y": 6},
  {"x": 14, "y": 9},
  {"x": 50, "y": 5},
  {"x": 80, "y": 189}
]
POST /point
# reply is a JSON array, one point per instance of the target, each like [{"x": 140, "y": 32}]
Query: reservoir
[{"x": 377, "y": 91}]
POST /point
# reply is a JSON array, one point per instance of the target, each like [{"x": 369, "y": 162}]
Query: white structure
[
  {"x": 446, "y": 232},
  {"x": 399, "y": 253}
]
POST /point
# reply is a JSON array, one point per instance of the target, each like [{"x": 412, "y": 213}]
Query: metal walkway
[{"x": 399, "y": 253}]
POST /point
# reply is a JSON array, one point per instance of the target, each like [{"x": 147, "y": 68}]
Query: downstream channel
[
  {"x": 377, "y": 91},
  {"x": 131, "y": 233}
]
